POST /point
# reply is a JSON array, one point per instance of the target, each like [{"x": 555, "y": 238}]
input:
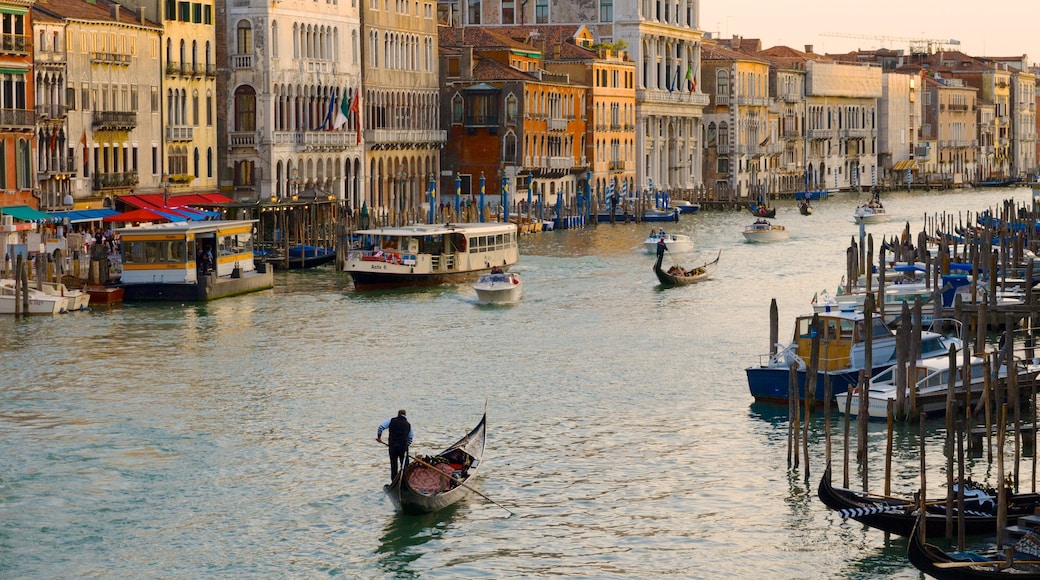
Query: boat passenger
[{"x": 496, "y": 270}]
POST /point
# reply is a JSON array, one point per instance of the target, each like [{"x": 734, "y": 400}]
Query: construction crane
[{"x": 917, "y": 45}]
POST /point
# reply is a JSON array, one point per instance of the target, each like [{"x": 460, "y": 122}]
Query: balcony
[
  {"x": 617, "y": 165},
  {"x": 14, "y": 44},
  {"x": 114, "y": 120},
  {"x": 559, "y": 162},
  {"x": 481, "y": 121},
  {"x": 820, "y": 133},
  {"x": 109, "y": 58},
  {"x": 114, "y": 180},
  {"x": 211, "y": 70},
  {"x": 45, "y": 112},
  {"x": 180, "y": 133},
  {"x": 317, "y": 66},
  {"x": 857, "y": 133},
  {"x": 752, "y": 101},
  {"x": 397, "y": 136},
  {"x": 557, "y": 124},
  {"x": 242, "y": 61},
  {"x": 17, "y": 119},
  {"x": 242, "y": 139},
  {"x": 662, "y": 96},
  {"x": 723, "y": 149},
  {"x": 52, "y": 165},
  {"x": 722, "y": 99}
]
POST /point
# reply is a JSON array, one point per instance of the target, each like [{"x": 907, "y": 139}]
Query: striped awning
[{"x": 905, "y": 164}]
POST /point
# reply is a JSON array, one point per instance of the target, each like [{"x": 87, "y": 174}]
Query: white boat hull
[
  {"x": 499, "y": 289},
  {"x": 39, "y": 302},
  {"x": 767, "y": 236},
  {"x": 676, "y": 243}
]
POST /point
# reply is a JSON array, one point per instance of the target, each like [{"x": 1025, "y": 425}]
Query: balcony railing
[
  {"x": 722, "y": 99},
  {"x": 109, "y": 58},
  {"x": 405, "y": 136},
  {"x": 242, "y": 138},
  {"x": 14, "y": 44},
  {"x": 559, "y": 162},
  {"x": 617, "y": 165},
  {"x": 17, "y": 119},
  {"x": 114, "y": 120},
  {"x": 180, "y": 133},
  {"x": 115, "y": 180},
  {"x": 481, "y": 121},
  {"x": 57, "y": 164},
  {"x": 50, "y": 111},
  {"x": 211, "y": 70},
  {"x": 557, "y": 124},
  {"x": 242, "y": 61},
  {"x": 819, "y": 133}
]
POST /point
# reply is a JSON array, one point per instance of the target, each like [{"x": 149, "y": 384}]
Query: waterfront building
[
  {"x": 290, "y": 98},
  {"x": 787, "y": 103},
  {"x": 54, "y": 160},
  {"x": 740, "y": 142},
  {"x": 948, "y": 119},
  {"x": 103, "y": 79},
  {"x": 510, "y": 119},
  {"x": 17, "y": 116},
  {"x": 399, "y": 103},
  {"x": 664, "y": 40},
  {"x": 899, "y": 121}
]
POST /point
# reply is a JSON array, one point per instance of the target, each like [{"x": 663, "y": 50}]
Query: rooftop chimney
[
  {"x": 115, "y": 12},
  {"x": 140, "y": 14},
  {"x": 808, "y": 48}
]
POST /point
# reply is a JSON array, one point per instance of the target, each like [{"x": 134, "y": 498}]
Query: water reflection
[{"x": 404, "y": 535}]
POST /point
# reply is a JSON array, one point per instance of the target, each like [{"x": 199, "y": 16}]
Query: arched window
[
  {"x": 245, "y": 109},
  {"x": 244, "y": 38},
  {"x": 209, "y": 162}
]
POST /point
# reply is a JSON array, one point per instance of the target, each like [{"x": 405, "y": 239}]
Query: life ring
[{"x": 392, "y": 258}]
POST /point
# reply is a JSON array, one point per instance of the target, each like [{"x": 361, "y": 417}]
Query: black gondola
[
  {"x": 897, "y": 515},
  {"x": 936, "y": 563},
  {"x": 762, "y": 211},
  {"x": 678, "y": 276}
]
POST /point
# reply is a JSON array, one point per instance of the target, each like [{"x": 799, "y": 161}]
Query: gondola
[
  {"x": 936, "y": 563},
  {"x": 430, "y": 483},
  {"x": 897, "y": 515},
  {"x": 762, "y": 211},
  {"x": 804, "y": 207},
  {"x": 678, "y": 276}
]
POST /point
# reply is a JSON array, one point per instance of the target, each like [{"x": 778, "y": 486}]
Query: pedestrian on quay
[{"x": 399, "y": 437}]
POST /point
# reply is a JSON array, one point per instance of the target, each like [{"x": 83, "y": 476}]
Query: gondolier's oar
[{"x": 452, "y": 478}]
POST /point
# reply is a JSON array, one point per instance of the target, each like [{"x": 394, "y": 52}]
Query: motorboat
[
  {"x": 871, "y": 213},
  {"x": 673, "y": 242},
  {"x": 430, "y": 254},
  {"x": 75, "y": 299},
  {"x": 765, "y": 231},
  {"x": 931, "y": 385},
  {"x": 39, "y": 302},
  {"x": 843, "y": 348},
  {"x": 685, "y": 206},
  {"x": 498, "y": 287}
]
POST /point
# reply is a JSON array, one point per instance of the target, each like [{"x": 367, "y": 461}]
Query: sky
[{"x": 1003, "y": 28}]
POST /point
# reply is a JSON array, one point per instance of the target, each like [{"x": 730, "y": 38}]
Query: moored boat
[
  {"x": 298, "y": 256},
  {"x": 430, "y": 254},
  {"x": 679, "y": 276},
  {"x": 498, "y": 287},
  {"x": 673, "y": 242},
  {"x": 685, "y": 206},
  {"x": 764, "y": 231},
  {"x": 842, "y": 355},
  {"x": 937, "y": 563},
  {"x": 899, "y": 515},
  {"x": 434, "y": 482},
  {"x": 39, "y": 302}
]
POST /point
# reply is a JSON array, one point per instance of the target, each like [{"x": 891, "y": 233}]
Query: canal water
[{"x": 235, "y": 439}]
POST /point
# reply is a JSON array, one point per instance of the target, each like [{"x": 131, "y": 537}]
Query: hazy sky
[{"x": 1000, "y": 28}]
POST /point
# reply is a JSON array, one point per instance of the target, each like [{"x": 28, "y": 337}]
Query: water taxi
[
  {"x": 190, "y": 261},
  {"x": 430, "y": 254}
]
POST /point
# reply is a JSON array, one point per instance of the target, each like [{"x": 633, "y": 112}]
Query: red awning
[
  {"x": 138, "y": 215},
  {"x": 155, "y": 200}
]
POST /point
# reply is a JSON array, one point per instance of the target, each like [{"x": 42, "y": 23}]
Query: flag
[
  {"x": 343, "y": 112},
  {"x": 355, "y": 111},
  {"x": 691, "y": 84},
  {"x": 328, "y": 114}
]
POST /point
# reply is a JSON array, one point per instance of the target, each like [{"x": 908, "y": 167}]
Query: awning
[
  {"x": 905, "y": 164},
  {"x": 26, "y": 214},
  {"x": 145, "y": 215},
  {"x": 155, "y": 200},
  {"x": 83, "y": 215}
]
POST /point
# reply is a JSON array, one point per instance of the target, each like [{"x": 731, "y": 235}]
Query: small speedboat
[
  {"x": 39, "y": 301},
  {"x": 674, "y": 242},
  {"x": 765, "y": 231},
  {"x": 499, "y": 288},
  {"x": 871, "y": 213}
]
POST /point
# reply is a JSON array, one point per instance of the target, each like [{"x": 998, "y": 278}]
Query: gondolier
[{"x": 399, "y": 437}]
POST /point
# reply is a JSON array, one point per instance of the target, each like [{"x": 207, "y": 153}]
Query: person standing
[{"x": 399, "y": 437}]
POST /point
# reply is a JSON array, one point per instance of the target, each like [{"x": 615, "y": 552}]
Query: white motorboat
[
  {"x": 39, "y": 302},
  {"x": 765, "y": 231},
  {"x": 499, "y": 288},
  {"x": 675, "y": 243},
  {"x": 74, "y": 299},
  {"x": 871, "y": 213},
  {"x": 932, "y": 379}
]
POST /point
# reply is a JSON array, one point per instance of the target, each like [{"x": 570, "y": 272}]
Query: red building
[{"x": 17, "y": 117}]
